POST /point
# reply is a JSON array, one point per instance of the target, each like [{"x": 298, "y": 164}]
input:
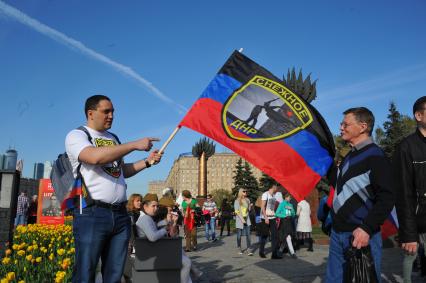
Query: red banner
[{"x": 49, "y": 208}]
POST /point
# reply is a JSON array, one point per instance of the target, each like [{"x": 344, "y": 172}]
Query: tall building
[
  {"x": 220, "y": 172},
  {"x": 38, "y": 171},
  {"x": 157, "y": 187},
  {"x": 10, "y": 160},
  {"x": 47, "y": 169}
]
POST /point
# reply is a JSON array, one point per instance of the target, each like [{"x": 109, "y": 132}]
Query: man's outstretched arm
[{"x": 106, "y": 154}]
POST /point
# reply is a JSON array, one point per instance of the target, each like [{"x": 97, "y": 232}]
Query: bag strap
[
  {"x": 115, "y": 136},
  {"x": 82, "y": 128},
  {"x": 89, "y": 199},
  {"x": 89, "y": 137}
]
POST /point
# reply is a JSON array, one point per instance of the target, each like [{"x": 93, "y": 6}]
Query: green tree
[
  {"x": 394, "y": 130},
  {"x": 244, "y": 179},
  {"x": 250, "y": 183},
  {"x": 238, "y": 177},
  {"x": 342, "y": 148},
  {"x": 203, "y": 150},
  {"x": 265, "y": 182},
  {"x": 220, "y": 194}
]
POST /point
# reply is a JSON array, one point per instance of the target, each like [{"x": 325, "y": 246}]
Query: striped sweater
[{"x": 364, "y": 193}]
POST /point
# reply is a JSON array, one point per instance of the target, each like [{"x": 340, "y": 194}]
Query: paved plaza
[{"x": 220, "y": 262}]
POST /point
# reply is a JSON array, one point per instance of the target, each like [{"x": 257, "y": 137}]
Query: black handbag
[{"x": 359, "y": 266}]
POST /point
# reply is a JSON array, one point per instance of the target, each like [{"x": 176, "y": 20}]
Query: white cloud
[{"x": 73, "y": 44}]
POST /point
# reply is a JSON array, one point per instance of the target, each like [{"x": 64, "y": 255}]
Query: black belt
[{"x": 112, "y": 206}]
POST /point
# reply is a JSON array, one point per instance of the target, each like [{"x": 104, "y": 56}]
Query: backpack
[{"x": 62, "y": 176}]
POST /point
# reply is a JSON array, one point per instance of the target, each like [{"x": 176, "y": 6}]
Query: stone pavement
[{"x": 220, "y": 262}]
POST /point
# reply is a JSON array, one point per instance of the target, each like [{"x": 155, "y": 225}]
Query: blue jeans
[
  {"x": 210, "y": 228},
  {"x": 339, "y": 242},
  {"x": 100, "y": 233},
  {"x": 246, "y": 231},
  {"x": 20, "y": 219}
]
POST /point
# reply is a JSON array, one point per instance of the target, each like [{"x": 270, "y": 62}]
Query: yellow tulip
[
  {"x": 21, "y": 252},
  {"x": 4, "y": 280},
  {"x": 38, "y": 259},
  {"x": 21, "y": 281},
  {"x": 29, "y": 257},
  {"x": 10, "y": 276},
  {"x": 60, "y": 251},
  {"x": 6, "y": 260},
  {"x": 51, "y": 256}
]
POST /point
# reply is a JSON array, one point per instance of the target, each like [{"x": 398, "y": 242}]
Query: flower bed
[{"x": 39, "y": 253}]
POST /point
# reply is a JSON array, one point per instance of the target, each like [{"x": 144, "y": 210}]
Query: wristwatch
[{"x": 147, "y": 164}]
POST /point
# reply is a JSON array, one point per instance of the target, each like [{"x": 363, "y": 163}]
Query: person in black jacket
[
  {"x": 409, "y": 162},
  {"x": 364, "y": 194},
  {"x": 226, "y": 211}
]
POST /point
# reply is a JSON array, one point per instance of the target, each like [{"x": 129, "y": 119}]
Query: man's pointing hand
[{"x": 144, "y": 144}]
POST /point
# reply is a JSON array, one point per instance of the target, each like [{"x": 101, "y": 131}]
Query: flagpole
[
  {"x": 169, "y": 139},
  {"x": 167, "y": 142},
  {"x": 81, "y": 204}
]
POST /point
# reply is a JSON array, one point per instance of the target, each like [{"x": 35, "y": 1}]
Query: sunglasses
[{"x": 244, "y": 191}]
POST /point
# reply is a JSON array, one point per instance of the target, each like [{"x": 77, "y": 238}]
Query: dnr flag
[{"x": 250, "y": 111}]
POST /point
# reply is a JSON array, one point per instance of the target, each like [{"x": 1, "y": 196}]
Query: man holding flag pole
[{"x": 101, "y": 225}]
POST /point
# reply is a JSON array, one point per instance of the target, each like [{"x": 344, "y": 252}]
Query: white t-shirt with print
[
  {"x": 104, "y": 182},
  {"x": 271, "y": 204},
  {"x": 279, "y": 197}
]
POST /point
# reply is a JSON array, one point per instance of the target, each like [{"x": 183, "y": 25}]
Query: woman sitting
[{"x": 146, "y": 227}]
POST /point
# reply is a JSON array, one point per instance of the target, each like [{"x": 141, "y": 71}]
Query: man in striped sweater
[{"x": 363, "y": 195}]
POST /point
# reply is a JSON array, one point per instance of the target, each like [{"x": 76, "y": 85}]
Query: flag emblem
[{"x": 264, "y": 110}]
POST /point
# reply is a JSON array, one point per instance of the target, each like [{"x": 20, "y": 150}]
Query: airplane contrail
[{"x": 75, "y": 44}]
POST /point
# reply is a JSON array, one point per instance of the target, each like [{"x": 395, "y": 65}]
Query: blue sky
[{"x": 154, "y": 58}]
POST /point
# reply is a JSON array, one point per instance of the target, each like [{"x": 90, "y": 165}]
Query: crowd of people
[
  {"x": 154, "y": 218},
  {"x": 365, "y": 186}
]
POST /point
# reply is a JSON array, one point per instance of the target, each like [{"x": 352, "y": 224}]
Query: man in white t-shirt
[
  {"x": 102, "y": 230},
  {"x": 270, "y": 201}
]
